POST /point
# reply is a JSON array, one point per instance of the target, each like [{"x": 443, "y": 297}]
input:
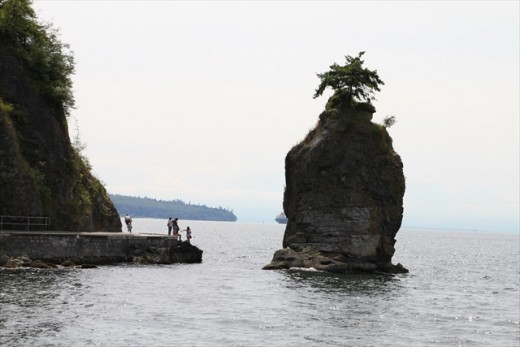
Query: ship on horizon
[{"x": 281, "y": 218}]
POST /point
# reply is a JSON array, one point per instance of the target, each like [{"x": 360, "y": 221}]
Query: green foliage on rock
[
  {"x": 5, "y": 107},
  {"x": 352, "y": 83},
  {"x": 389, "y": 121},
  {"x": 18, "y": 178},
  {"x": 37, "y": 46}
]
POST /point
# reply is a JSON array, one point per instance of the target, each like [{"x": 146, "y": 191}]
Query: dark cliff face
[
  {"x": 343, "y": 197},
  {"x": 40, "y": 173}
]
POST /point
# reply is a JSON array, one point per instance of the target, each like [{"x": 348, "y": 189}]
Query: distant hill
[{"x": 152, "y": 208}]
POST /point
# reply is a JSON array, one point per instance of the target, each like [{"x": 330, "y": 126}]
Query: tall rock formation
[
  {"x": 343, "y": 196},
  {"x": 40, "y": 172}
]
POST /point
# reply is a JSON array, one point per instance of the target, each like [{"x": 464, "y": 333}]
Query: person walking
[
  {"x": 176, "y": 229},
  {"x": 128, "y": 221},
  {"x": 170, "y": 226}
]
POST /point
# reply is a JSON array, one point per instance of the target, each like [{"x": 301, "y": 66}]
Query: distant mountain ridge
[{"x": 152, "y": 208}]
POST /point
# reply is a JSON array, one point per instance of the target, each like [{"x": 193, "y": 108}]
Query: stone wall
[{"x": 97, "y": 248}]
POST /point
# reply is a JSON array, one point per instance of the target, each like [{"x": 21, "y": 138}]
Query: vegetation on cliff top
[
  {"x": 37, "y": 46},
  {"x": 352, "y": 79},
  {"x": 152, "y": 208},
  {"x": 354, "y": 87}
]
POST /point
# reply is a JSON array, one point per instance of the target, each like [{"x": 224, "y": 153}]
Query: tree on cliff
[
  {"x": 39, "y": 49},
  {"x": 351, "y": 80}
]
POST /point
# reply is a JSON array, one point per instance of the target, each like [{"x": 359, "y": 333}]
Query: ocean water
[{"x": 462, "y": 290}]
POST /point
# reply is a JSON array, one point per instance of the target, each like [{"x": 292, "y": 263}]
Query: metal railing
[{"x": 26, "y": 223}]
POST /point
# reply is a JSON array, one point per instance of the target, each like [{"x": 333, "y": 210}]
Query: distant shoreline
[{"x": 146, "y": 207}]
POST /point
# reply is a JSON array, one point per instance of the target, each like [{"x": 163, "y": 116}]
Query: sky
[{"x": 202, "y": 100}]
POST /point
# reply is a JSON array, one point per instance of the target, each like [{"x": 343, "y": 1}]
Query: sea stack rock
[{"x": 343, "y": 196}]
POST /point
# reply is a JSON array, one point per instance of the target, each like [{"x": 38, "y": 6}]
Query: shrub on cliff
[
  {"x": 39, "y": 49},
  {"x": 351, "y": 82}
]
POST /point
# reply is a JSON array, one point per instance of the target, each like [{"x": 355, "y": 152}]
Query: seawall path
[{"x": 96, "y": 247}]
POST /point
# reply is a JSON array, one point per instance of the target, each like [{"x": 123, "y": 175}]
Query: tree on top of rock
[{"x": 351, "y": 81}]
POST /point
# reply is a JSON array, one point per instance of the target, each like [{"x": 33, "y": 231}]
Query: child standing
[{"x": 188, "y": 234}]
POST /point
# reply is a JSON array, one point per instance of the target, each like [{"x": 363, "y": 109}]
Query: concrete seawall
[{"x": 97, "y": 247}]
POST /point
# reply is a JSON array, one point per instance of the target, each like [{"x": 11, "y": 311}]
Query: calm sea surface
[{"x": 462, "y": 290}]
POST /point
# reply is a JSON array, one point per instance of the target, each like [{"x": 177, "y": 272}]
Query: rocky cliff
[
  {"x": 40, "y": 172},
  {"x": 343, "y": 196}
]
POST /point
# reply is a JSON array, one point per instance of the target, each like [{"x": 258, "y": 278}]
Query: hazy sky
[{"x": 201, "y": 101}]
